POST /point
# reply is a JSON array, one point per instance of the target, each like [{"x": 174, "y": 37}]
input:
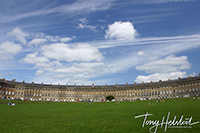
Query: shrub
[{"x": 110, "y": 97}]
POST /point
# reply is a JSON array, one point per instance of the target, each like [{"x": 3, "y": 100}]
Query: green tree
[{"x": 110, "y": 97}]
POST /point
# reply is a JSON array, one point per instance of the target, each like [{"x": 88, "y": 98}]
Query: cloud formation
[
  {"x": 160, "y": 76},
  {"x": 83, "y": 20},
  {"x": 39, "y": 72},
  {"x": 169, "y": 67},
  {"x": 121, "y": 31},
  {"x": 9, "y": 49},
  {"x": 19, "y": 34},
  {"x": 37, "y": 41},
  {"x": 65, "y": 39},
  {"x": 78, "y": 7},
  {"x": 82, "y": 26},
  {"x": 80, "y": 52},
  {"x": 78, "y": 62},
  {"x": 168, "y": 64}
]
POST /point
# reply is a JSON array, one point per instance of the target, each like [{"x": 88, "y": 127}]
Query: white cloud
[
  {"x": 121, "y": 31},
  {"x": 160, "y": 76},
  {"x": 80, "y": 52},
  {"x": 101, "y": 20},
  {"x": 79, "y": 79},
  {"x": 78, "y": 7},
  {"x": 75, "y": 79},
  {"x": 169, "y": 67},
  {"x": 102, "y": 27},
  {"x": 160, "y": 44},
  {"x": 37, "y": 41},
  {"x": 168, "y": 64},
  {"x": 140, "y": 53},
  {"x": 19, "y": 34},
  {"x": 66, "y": 39},
  {"x": 8, "y": 49},
  {"x": 72, "y": 69},
  {"x": 89, "y": 68},
  {"x": 42, "y": 38},
  {"x": 76, "y": 59},
  {"x": 52, "y": 38},
  {"x": 81, "y": 26},
  {"x": 39, "y": 72},
  {"x": 38, "y": 61},
  {"x": 83, "y": 20}
]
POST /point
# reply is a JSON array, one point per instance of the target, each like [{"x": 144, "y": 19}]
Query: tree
[{"x": 110, "y": 97}]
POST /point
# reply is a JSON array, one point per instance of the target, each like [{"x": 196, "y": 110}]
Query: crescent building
[{"x": 181, "y": 87}]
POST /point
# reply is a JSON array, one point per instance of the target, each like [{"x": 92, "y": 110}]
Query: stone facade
[{"x": 182, "y": 87}]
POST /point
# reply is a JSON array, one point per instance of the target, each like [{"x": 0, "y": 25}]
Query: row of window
[
  {"x": 39, "y": 94},
  {"x": 186, "y": 84},
  {"x": 180, "y": 85}
]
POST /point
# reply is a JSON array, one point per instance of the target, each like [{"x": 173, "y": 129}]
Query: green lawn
[{"x": 41, "y": 116}]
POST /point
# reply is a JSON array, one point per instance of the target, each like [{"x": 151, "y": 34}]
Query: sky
[{"x": 99, "y": 41}]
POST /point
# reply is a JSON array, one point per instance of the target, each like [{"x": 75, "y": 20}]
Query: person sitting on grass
[{"x": 13, "y": 104}]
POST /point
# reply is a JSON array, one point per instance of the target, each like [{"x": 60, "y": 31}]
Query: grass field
[{"x": 38, "y": 116}]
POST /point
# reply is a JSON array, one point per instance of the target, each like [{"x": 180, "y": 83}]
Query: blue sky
[{"x": 99, "y": 41}]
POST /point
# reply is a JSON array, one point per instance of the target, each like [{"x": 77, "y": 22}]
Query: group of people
[
  {"x": 160, "y": 100},
  {"x": 11, "y": 104},
  {"x": 194, "y": 98}
]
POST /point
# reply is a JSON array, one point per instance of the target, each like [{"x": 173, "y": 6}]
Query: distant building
[{"x": 181, "y": 87}]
